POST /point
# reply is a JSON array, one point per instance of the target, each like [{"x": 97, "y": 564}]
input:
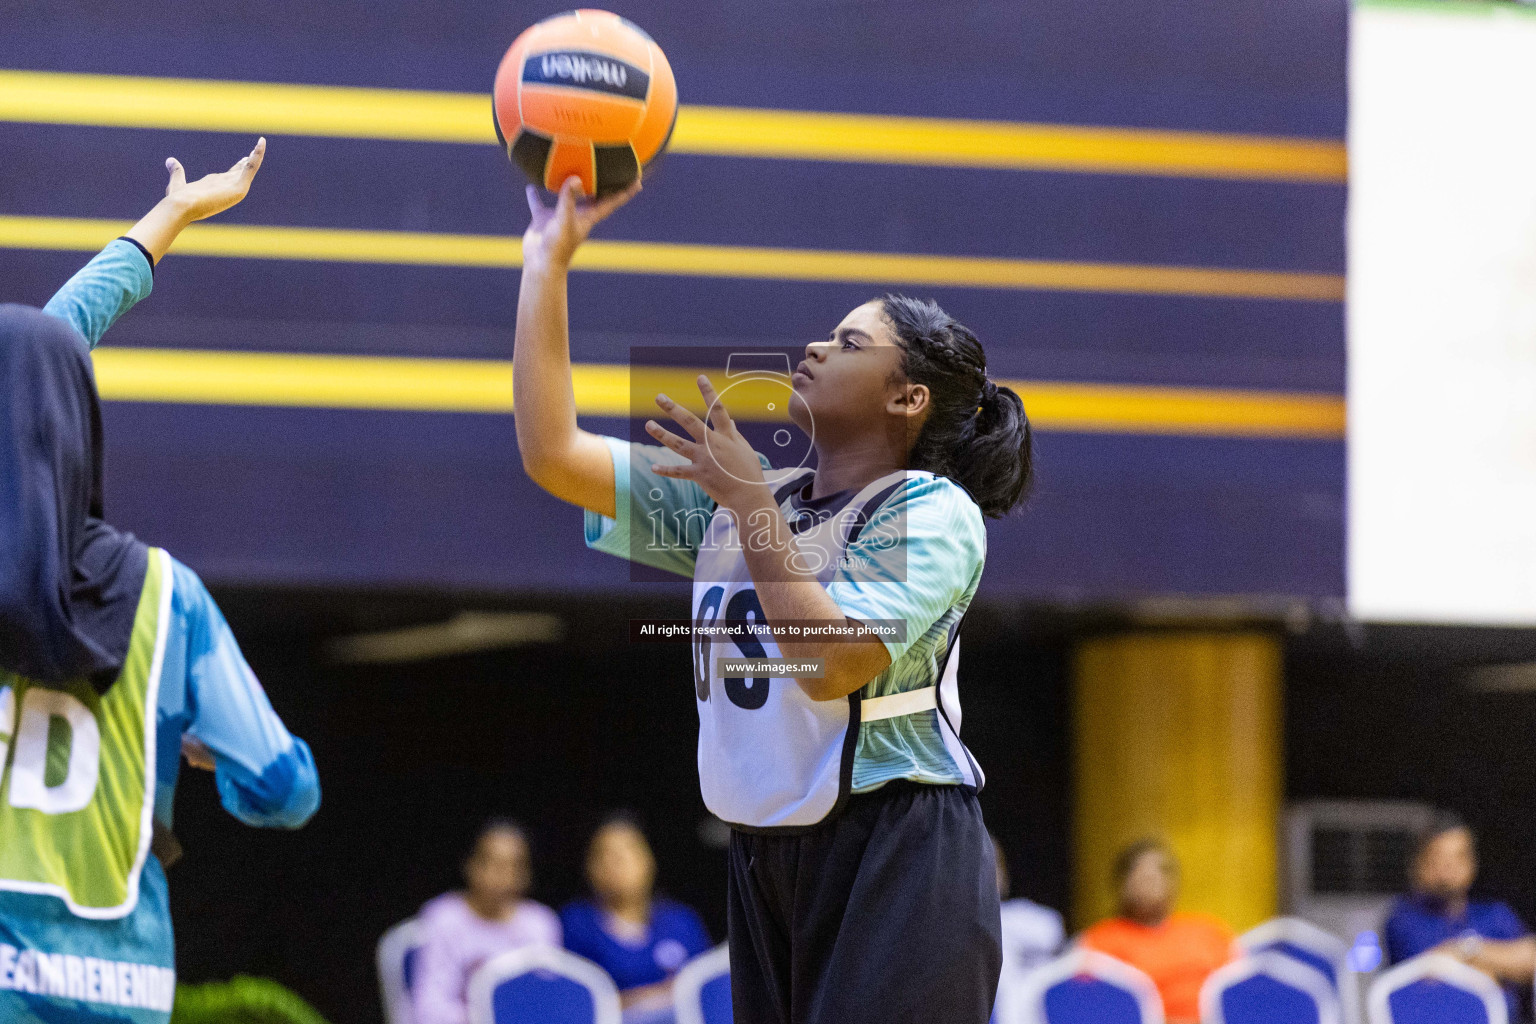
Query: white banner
[{"x": 1442, "y": 313}]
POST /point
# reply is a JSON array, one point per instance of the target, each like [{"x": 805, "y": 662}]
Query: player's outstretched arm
[
  {"x": 265, "y": 775},
  {"x": 568, "y": 462},
  {"x": 122, "y": 274}
]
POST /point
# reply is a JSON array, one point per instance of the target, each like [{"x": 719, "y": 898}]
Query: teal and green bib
[{"x": 77, "y": 794}]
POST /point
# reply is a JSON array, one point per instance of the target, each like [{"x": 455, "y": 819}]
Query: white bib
[{"x": 769, "y": 756}]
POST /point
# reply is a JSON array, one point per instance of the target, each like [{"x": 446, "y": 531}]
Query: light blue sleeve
[
  {"x": 919, "y": 557},
  {"x": 265, "y": 776},
  {"x": 658, "y": 521},
  {"x": 103, "y": 290}
]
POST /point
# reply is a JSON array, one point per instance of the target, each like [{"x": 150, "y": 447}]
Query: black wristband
[{"x": 139, "y": 246}]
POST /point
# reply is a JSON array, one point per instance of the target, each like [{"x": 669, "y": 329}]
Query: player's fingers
[
  {"x": 603, "y": 207},
  {"x": 178, "y": 174},
  {"x": 684, "y": 448},
  {"x": 684, "y": 471},
  {"x": 535, "y": 204},
  {"x": 565, "y": 203},
  {"x": 253, "y": 162},
  {"x": 717, "y": 412},
  {"x": 197, "y": 754},
  {"x": 684, "y": 417}
]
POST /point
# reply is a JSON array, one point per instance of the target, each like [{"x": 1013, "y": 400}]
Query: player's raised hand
[
  {"x": 187, "y": 201},
  {"x": 213, "y": 193},
  {"x": 721, "y": 461},
  {"x": 555, "y": 232}
]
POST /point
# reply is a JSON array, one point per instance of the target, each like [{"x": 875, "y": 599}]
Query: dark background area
[
  {"x": 413, "y": 757},
  {"x": 1395, "y": 713}
]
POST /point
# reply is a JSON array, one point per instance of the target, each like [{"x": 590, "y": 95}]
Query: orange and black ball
[{"x": 584, "y": 93}]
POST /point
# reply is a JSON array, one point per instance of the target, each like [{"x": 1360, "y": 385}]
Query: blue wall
[{"x": 383, "y": 498}]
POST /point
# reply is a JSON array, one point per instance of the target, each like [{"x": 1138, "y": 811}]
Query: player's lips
[{"x": 802, "y": 371}]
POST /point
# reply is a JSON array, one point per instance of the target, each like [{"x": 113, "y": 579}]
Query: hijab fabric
[{"x": 69, "y": 582}]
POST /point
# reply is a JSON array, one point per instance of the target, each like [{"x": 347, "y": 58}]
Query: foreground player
[
  {"x": 862, "y": 881},
  {"x": 113, "y": 659}
]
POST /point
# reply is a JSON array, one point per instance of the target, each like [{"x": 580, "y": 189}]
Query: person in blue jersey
[
  {"x": 640, "y": 939},
  {"x": 114, "y": 661},
  {"x": 862, "y": 885}
]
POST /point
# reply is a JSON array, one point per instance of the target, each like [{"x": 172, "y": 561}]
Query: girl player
[
  {"x": 121, "y": 645},
  {"x": 862, "y": 882}
]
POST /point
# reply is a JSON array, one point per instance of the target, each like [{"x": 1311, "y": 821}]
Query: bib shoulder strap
[
  {"x": 869, "y": 501},
  {"x": 790, "y": 486}
]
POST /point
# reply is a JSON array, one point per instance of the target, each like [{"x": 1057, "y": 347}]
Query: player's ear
[{"x": 908, "y": 399}]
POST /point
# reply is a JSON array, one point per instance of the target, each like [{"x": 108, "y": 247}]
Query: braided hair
[{"x": 976, "y": 433}]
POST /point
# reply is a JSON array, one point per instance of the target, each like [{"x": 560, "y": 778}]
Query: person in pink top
[{"x": 459, "y": 931}]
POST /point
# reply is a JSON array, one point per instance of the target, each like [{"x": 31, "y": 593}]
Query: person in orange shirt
[{"x": 1178, "y": 951}]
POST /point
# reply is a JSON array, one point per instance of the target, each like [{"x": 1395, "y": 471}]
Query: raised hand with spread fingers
[{"x": 188, "y": 201}]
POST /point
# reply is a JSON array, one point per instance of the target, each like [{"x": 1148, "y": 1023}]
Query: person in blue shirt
[
  {"x": 114, "y": 663},
  {"x": 641, "y": 940},
  {"x": 1440, "y": 915}
]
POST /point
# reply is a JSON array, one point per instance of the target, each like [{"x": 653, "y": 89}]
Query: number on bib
[
  {"x": 748, "y": 694},
  {"x": 751, "y": 695},
  {"x": 710, "y": 606},
  {"x": 57, "y": 761}
]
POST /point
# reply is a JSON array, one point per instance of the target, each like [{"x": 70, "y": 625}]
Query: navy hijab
[{"x": 69, "y": 582}]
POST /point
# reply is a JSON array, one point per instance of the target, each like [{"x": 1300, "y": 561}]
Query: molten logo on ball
[{"x": 588, "y": 71}]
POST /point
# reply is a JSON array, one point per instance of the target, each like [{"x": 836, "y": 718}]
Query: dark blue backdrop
[{"x": 284, "y": 496}]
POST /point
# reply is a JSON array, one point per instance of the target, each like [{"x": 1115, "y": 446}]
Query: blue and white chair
[
  {"x": 1269, "y": 988},
  {"x": 702, "y": 990},
  {"x": 1086, "y": 987},
  {"x": 1306, "y": 942},
  {"x": 1436, "y": 989},
  {"x": 542, "y": 985},
  {"x": 396, "y": 957}
]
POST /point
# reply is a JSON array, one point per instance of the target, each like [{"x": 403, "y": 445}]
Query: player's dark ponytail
[{"x": 976, "y": 432}]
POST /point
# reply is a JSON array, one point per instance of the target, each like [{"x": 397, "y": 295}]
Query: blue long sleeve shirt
[{"x": 265, "y": 776}]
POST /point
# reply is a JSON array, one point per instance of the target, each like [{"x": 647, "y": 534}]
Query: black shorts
[{"x": 886, "y": 914}]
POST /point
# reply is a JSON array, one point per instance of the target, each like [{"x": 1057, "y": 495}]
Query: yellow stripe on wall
[
  {"x": 866, "y": 138},
  {"x": 680, "y": 259},
  {"x": 420, "y": 116},
  {"x": 485, "y": 386}
]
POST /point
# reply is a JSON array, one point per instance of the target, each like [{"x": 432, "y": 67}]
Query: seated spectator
[
  {"x": 459, "y": 931},
  {"x": 1032, "y": 935},
  {"x": 638, "y": 938},
  {"x": 1178, "y": 951},
  {"x": 1438, "y": 914}
]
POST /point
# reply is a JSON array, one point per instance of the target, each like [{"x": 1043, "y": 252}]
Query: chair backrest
[
  {"x": 1436, "y": 989},
  {"x": 1269, "y": 988},
  {"x": 1304, "y": 941},
  {"x": 702, "y": 989},
  {"x": 1086, "y": 987},
  {"x": 396, "y": 959},
  {"x": 542, "y": 985}
]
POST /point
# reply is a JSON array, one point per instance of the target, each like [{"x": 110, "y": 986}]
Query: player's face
[
  {"x": 856, "y": 370},
  {"x": 499, "y": 870},
  {"x": 1448, "y": 865},
  {"x": 620, "y": 865}
]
